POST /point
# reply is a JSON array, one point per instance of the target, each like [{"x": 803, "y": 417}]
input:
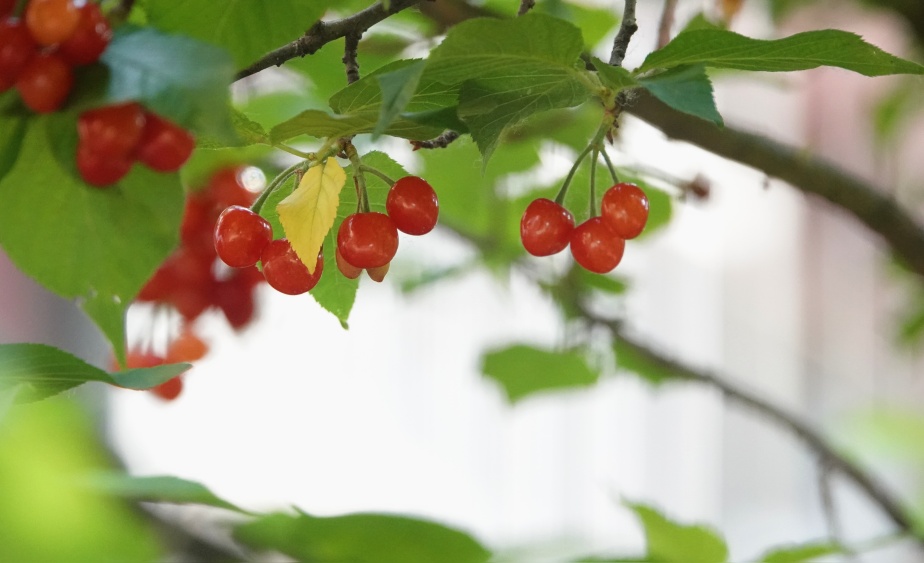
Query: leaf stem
[
  {"x": 295, "y": 152},
  {"x": 377, "y": 172}
]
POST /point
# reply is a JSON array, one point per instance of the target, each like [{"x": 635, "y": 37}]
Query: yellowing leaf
[{"x": 308, "y": 213}]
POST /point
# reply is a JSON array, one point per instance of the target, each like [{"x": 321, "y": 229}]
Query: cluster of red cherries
[
  {"x": 37, "y": 57},
  {"x": 598, "y": 243},
  {"x": 191, "y": 281},
  {"x": 38, "y": 53},
  {"x": 365, "y": 241}
]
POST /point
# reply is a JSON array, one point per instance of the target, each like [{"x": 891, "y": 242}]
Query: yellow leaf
[{"x": 308, "y": 213}]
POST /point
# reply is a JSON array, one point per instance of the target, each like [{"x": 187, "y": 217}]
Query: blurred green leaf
[
  {"x": 146, "y": 378},
  {"x": 361, "y": 538},
  {"x": 801, "y": 553},
  {"x": 523, "y": 370},
  {"x": 614, "y": 77},
  {"x": 631, "y": 359},
  {"x": 156, "y": 489},
  {"x": 670, "y": 542}
]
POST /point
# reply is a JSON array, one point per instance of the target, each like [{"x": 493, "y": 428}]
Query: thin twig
[
  {"x": 322, "y": 33},
  {"x": 627, "y": 28},
  {"x": 441, "y": 142},
  {"x": 667, "y": 22},
  {"x": 349, "y": 56},
  {"x": 525, "y": 6}
]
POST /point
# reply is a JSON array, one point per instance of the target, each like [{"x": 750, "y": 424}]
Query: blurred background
[{"x": 776, "y": 290}]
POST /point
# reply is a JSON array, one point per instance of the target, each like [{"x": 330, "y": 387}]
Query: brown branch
[
  {"x": 441, "y": 142},
  {"x": 349, "y": 56},
  {"x": 667, "y": 22},
  {"x": 627, "y": 29},
  {"x": 322, "y": 33},
  {"x": 866, "y": 482},
  {"x": 525, "y": 6},
  {"x": 869, "y": 205}
]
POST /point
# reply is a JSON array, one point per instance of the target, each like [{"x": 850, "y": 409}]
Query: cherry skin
[
  {"x": 52, "y": 21},
  {"x": 16, "y": 49},
  {"x": 368, "y": 240},
  {"x": 235, "y": 299},
  {"x": 240, "y": 236},
  {"x": 90, "y": 39},
  {"x": 170, "y": 389},
  {"x": 595, "y": 247},
  {"x": 7, "y": 7},
  {"x": 378, "y": 274},
  {"x": 45, "y": 83},
  {"x": 226, "y": 189},
  {"x": 412, "y": 205},
  {"x": 99, "y": 170},
  {"x": 545, "y": 227},
  {"x": 348, "y": 270},
  {"x": 112, "y": 131},
  {"x": 285, "y": 272},
  {"x": 186, "y": 347},
  {"x": 164, "y": 146},
  {"x": 624, "y": 208}
]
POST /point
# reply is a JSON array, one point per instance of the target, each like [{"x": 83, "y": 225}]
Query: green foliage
[
  {"x": 523, "y": 370},
  {"x": 98, "y": 246},
  {"x": 235, "y": 28},
  {"x": 156, "y": 489},
  {"x": 670, "y": 542},
  {"x": 37, "y": 371},
  {"x": 687, "y": 89},
  {"x": 631, "y": 359},
  {"x": 801, "y": 553},
  {"x": 810, "y": 49},
  {"x": 361, "y": 538}
]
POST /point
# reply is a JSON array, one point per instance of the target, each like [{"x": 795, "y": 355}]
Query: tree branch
[
  {"x": 441, "y": 142},
  {"x": 666, "y": 23},
  {"x": 525, "y": 6},
  {"x": 879, "y": 212},
  {"x": 627, "y": 28},
  {"x": 875, "y": 490},
  {"x": 322, "y": 33},
  {"x": 349, "y": 56}
]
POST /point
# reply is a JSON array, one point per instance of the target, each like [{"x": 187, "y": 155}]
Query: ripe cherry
[
  {"x": 412, "y": 205},
  {"x": 7, "y": 7},
  {"x": 164, "y": 146},
  {"x": 625, "y": 210},
  {"x": 235, "y": 299},
  {"x": 545, "y": 227},
  {"x": 378, "y": 274},
  {"x": 368, "y": 240},
  {"x": 226, "y": 188},
  {"x": 186, "y": 347},
  {"x": 348, "y": 270},
  {"x": 45, "y": 83},
  {"x": 596, "y": 247},
  {"x": 52, "y": 21},
  {"x": 240, "y": 236},
  {"x": 99, "y": 170},
  {"x": 90, "y": 38},
  {"x": 170, "y": 389},
  {"x": 285, "y": 272},
  {"x": 111, "y": 131},
  {"x": 16, "y": 48}
]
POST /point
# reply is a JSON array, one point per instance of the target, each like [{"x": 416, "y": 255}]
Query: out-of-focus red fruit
[
  {"x": 170, "y": 389},
  {"x": 186, "y": 347},
  {"x": 235, "y": 299}
]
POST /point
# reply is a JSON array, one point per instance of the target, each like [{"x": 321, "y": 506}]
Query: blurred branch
[
  {"x": 627, "y": 29},
  {"x": 322, "y": 33},
  {"x": 525, "y": 6},
  {"x": 667, "y": 22},
  {"x": 878, "y": 211}
]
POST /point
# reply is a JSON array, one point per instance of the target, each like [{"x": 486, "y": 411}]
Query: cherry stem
[
  {"x": 560, "y": 198},
  {"x": 362, "y": 197},
  {"x": 296, "y": 152},
  {"x": 593, "y": 181},
  {"x": 376, "y": 172},
  {"x": 277, "y": 182},
  {"x": 609, "y": 165}
]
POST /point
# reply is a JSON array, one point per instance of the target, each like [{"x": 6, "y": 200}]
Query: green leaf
[
  {"x": 670, "y": 542},
  {"x": 97, "y": 246},
  {"x": 525, "y": 370},
  {"x": 157, "y": 489},
  {"x": 686, "y": 89},
  {"x": 398, "y": 87},
  {"x": 320, "y": 124},
  {"x": 614, "y": 77},
  {"x": 175, "y": 76},
  {"x": 248, "y": 132},
  {"x": 801, "y": 553},
  {"x": 366, "y": 94},
  {"x": 361, "y": 538},
  {"x": 12, "y": 130},
  {"x": 811, "y": 49},
  {"x": 248, "y": 29},
  {"x": 146, "y": 378},
  {"x": 531, "y": 64},
  {"x": 631, "y": 359}
]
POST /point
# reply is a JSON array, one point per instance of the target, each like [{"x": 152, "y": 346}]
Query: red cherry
[
  {"x": 625, "y": 210},
  {"x": 378, "y": 274},
  {"x": 596, "y": 247},
  {"x": 412, "y": 205},
  {"x": 111, "y": 131},
  {"x": 45, "y": 83},
  {"x": 235, "y": 299},
  {"x": 545, "y": 227},
  {"x": 90, "y": 39},
  {"x": 240, "y": 236},
  {"x": 16, "y": 49},
  {"x": 368, "y": 240},
  {"x": 186, "y": 347},
  {"x": 191, "y": 300},
  {"x": 226, "y": 189},
  {"x": 98, "y": 170},
  {"x": 170, "y": 389},
  {"x": 138, "y": 359},
  {"x": 285, "y": 272},
  {"x": 52, "y": 21},
  {"x": 7, "y": 7},
  {"x": 348, "y": 270},
  {"x": 164, "y": 146}
]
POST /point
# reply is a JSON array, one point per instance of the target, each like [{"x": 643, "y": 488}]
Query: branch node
[
  {"x": 441, "y": 142},
  {"x": 627, "y": 28}
]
